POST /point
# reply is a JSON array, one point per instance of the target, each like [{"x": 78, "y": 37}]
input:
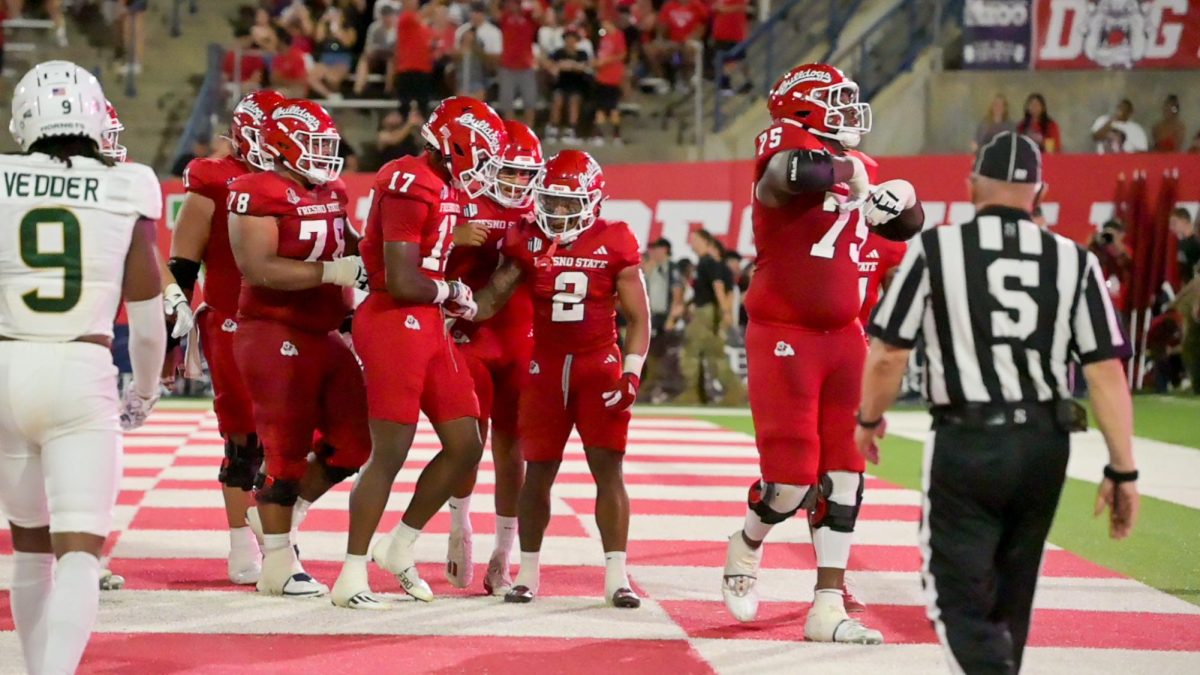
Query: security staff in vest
[{"x": 1002, "y": 307}]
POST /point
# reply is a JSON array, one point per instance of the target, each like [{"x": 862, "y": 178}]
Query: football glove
[
  {"x": 347, "y": 271},
  {"x": 135, "y": 409},
  {"x": 461, "y": 301},
  {"x": 623, "y": 395},
  {"x": 887, "y": 200},
  {"x": 176, "y": 304}
]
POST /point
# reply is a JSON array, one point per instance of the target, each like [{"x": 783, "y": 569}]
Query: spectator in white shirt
[
  {"x": 487, "y": 35},
  {"x": 1117, "y": 132}
]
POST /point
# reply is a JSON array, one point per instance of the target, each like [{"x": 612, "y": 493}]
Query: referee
[{"x": 1002, "y": 307}]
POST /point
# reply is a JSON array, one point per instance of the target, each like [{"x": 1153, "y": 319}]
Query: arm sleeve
[
  {"x": 1094, "y": 324},
  {"x": 147, "y": 343},
  {"x": 402, "y": 219},
  {"x": 898, "y": 316}
]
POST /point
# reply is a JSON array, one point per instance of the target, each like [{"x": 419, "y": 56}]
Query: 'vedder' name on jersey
[{"x": 23, "y": 185}]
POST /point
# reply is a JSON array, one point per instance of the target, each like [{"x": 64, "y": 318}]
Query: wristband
[
  {"x": 634, "y": 363},
  {"x": 443, "y": 292},
  {"x": 1119, "y": 477},
  {"x": 864, "y": 423}
]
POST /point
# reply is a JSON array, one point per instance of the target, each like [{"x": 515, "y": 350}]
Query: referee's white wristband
[
  {"x": 443, "y": 292},
  {"x": 634, "y": 363}
]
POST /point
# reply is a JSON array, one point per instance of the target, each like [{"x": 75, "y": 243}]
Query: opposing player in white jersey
[{"x": 76, "y": 234}]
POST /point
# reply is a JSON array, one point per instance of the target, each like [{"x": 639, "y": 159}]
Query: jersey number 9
[{"x": 50, "y": 239}]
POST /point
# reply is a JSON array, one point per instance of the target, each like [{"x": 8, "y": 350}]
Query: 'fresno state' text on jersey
[
  {"x": 807, "y": 267},
  {"x": 574, "y": 296},
  {"x": 878, "y": 257},
  {"x": 411, "y": 203},
  {"x": 222, "y": 279},
  {"x": 474, "y": 265},
  {"x": 312, "y": 227}
]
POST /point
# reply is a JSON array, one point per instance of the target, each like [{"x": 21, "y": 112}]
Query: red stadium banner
[
  {"x": 671, "y": 200},
  {"x": 1121, "y": 34}
]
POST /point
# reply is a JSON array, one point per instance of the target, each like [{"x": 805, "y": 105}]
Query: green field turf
[
  {"x": 1163, "y": 552},
  {"x": 1170, "y": 419}
]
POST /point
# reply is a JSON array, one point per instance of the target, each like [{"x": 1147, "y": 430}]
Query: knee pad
[
  {"x": 272, "y": 491},
  {"x": 334, "y": 474},
  {"x": 842, "y": 493},
  {"x": 776, "y": 502},
  {"x": 239, "y": 468}
]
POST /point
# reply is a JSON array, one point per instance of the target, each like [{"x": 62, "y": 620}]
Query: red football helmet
[
  {"x": 245, "y": 131},
  {"x": 568, "y": 195},
  {"x": 110, "y": 135},
  {"x": 823, "y": 100},
  {"x": 302, "y": 136},
  {"x": 519, "y": 167},
  {"x": 470, "y": 138}
]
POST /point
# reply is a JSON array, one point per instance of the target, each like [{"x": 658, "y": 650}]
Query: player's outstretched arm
[
  {"x": 799, "y": 171},
  {"x": 142, "y": 290},
  {"x": 255, "y": 240},
  {"x": 500, "y": 288}
]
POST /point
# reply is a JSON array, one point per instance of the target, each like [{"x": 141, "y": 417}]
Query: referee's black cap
[{"x": 1010, "y": 157}]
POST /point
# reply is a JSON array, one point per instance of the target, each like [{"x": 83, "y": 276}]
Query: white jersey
[{"x": 64, "y": 235}]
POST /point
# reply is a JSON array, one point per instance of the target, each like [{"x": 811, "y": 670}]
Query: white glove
[
  {"x": 888, "y": 199},
  {"x": 461, "y": 301},
  {"x": 135, "y": 409},
  {"x": 175, "y": 304},
  {"x": 859, "y": 183},
  {"x": 347, "y": 271}
]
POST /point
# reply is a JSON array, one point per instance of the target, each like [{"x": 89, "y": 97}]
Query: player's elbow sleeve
[
  {"x": 147, "y": 343},
  {"x": 809, "y": 171}
]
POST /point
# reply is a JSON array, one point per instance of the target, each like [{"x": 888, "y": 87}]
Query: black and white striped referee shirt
[{"x": 1002, "y": 307}]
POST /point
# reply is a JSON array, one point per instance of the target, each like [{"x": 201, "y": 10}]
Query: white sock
[
  {"x": 274, "y": 542},
  {"x": 460, "y": 514},
  {"x": 71, "y": 611},
  {"x": 530, "y": 571},
  {"x": 300, "y": 512},
  {"x": 506, "y": 533},
  {"x": 615, "y": 577},
  {"x": 832, "y": 547},
  {"x": 830, "y": 597},
  {"x": 241, "y": 540},
  {"x": 405, "y": 534},
  {"x": 32, "y": 581},
  {"x": 355, "y": 569}
]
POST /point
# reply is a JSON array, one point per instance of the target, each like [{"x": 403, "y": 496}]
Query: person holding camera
[{"x": 1002, "y": 307}]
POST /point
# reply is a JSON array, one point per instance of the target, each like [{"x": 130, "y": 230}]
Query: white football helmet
[{"x": 57, "y": 98}]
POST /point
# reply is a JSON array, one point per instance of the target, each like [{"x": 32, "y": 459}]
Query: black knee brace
[
  {"x": 334, "y": 474},
  {"x": 240, "y": 467},
  {"x": 835, "y": 516},
  {"x": 761, "y": 495},
  {"x": 281, "y": 492}
]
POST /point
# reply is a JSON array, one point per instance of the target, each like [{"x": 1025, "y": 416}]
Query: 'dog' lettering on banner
[{"x": 1117, "y": 34}]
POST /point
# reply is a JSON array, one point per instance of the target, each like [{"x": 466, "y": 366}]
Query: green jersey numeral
[{"x": 69, "y": 259}]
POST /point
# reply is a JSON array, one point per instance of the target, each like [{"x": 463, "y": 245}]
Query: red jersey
[
  {"x": 414, "y": 44},
  {"x": 806, "y": 271},
  {"x": 612, "y": 45},
  {"x": 877, "y": 257},
  {"x": 574, "y": 297},
  {"x": 519, "y": 30},
  {"x": 411, "y": 203},
  {"x": 474, "y": 265},
  {"x": 312, "y": 225},
  {"x": 682, "y": 20},
  {"x": 222, "y": 279},
  {"x": 730, "y": 26}
]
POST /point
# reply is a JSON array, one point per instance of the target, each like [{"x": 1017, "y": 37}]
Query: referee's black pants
[{"x": 990, "y": 496}]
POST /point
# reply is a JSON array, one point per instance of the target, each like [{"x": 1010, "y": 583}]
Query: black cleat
[
  {"x": 520, "y": 594},
  {"x": 625, "y": 598}
]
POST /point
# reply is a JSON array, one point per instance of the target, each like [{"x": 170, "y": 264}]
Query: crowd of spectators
[
  {"x": 569, "y": 63},
  {"x": 1116, "y": 131}
]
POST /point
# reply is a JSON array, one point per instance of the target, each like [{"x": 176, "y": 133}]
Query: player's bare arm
[
  {"x": 255, "y": 240},
  {"x": 405, "y": 281},
  {"x": 495, "y": 295},
  {"x": 799, "y": 171},
  {"x": 143, "y": 279},
  {"x": 470, "y": 233},
  {"x": 192, "y": 229},
  {"x": 635, "y": 305}
]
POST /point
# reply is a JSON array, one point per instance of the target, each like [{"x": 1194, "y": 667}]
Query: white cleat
[
  {"x": 741, "y": 574},
  {"x": 282, "y": 574},
  {"x": 245, "y": 558},
  {"x": 828, "y": 622},
  {"x": 399, "y": 561},
  {"x": 459, "y": 569},
  {"x": 353, "y": 593},
  {"x": 497, "y": 582},
  {"x": 110, "y": 581}
]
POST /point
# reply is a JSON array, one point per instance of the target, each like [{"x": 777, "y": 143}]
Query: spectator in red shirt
[
  {"x": 610, "y": 80},
  {"x": 414, "y": 59},
  {"x": 517, "y": 76},
  {"x": 289, "y": 68},
  {"x": 243, "y": 65},
  {"x": 729, "y": 27},
  {"x": 1039, "y": 126},
  {"x": 679, "y": 22}
]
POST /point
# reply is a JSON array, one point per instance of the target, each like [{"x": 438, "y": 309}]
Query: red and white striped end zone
[{"x": 687, "y": 480}]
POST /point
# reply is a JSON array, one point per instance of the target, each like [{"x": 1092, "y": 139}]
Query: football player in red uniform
[
  {"x": 202, "y": 236},
  {"x": 877, "y": 263},
  {"x": 497, "y": 352},
  {"x": 804, "y": 344},
  {"x": 578, "y": 267},
  {"x": 288, "y": 233},
  {"x": 407, "y": 241}
]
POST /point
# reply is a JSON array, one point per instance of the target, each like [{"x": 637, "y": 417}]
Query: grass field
[{"x": 1164, "y": 551}]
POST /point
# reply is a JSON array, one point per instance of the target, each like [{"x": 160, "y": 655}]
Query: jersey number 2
[
  {"x": 568, "y": 301},
  {"x": 50, "y": 240}
]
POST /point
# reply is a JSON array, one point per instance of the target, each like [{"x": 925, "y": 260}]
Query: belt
[
  {"x": 101, "y": 340},
  {"x": 997, "y": 415}
]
